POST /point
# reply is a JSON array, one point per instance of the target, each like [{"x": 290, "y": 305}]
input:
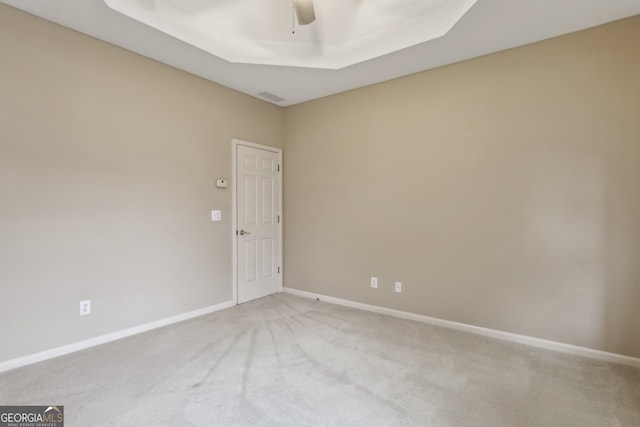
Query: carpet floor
[{"x": 288, "y": 361}]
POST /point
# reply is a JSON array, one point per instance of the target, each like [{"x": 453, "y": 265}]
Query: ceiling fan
[{"x": 304, "y": 11}]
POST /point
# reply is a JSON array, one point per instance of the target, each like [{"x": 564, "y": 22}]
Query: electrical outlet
[
  {"x": 374, "y": 282},
  {"x": 85, "y": 307},
  {"x": 398, "y": 287}
]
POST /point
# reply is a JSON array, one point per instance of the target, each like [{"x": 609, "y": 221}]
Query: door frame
[{"x": 234, "y": 210}]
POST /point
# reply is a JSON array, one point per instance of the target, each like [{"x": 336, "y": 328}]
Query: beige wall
[
  {"x": 503, "y": 191},
  {"x": 108, "y": 163}
]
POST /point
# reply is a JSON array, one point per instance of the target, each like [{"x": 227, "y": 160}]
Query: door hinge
[
  {"x": 278, "y": 269},
  {"x": 278, "y": 168},
  {"x": 278, "y": 219}
]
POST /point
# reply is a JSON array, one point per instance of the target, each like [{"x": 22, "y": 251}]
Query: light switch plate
[
  {"x": 222, "y": 183},
  {"x": 216, "y": 216}
]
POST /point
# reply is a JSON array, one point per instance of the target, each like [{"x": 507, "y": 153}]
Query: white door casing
[{"x": 257, "y": 221}]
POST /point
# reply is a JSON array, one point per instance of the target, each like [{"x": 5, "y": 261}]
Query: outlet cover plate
[{"x": 85, "y": 307}]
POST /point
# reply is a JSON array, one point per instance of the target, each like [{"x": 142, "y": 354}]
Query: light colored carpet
[{"x": 288, "y": 361}]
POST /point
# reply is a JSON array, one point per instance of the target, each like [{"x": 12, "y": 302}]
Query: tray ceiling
[
  {"x": 345, "y": 32},
  {"x": 489, "y": 26}
]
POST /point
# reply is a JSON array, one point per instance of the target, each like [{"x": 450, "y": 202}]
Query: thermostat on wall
[{"x": 221, "y": 183}]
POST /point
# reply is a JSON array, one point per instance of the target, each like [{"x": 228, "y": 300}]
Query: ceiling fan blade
[{"x": 304, "y": 11}]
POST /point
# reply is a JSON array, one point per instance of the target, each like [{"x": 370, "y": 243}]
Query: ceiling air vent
[{"x": 270, "y": 97}]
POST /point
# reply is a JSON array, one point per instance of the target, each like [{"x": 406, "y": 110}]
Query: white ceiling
[
  {"x": 490, "y": 26},
  {"x": 346, "y": 32}
]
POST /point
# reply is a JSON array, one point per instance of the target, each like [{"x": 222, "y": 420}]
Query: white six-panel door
[{"x": 258, "y": 232}]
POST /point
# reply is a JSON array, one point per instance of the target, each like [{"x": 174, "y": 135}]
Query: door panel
[
  {"x": 267, "y": 205},
  {"x": 258, "y": 226},
  {"x": 250, "y": 199},
  {"x": 267, "y": 258}
]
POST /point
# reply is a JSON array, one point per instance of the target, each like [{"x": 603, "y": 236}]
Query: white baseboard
[
  {"x": 506, "y": 336},
  {"x": 113, "y": 336}
]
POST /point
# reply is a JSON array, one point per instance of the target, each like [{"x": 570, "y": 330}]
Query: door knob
[{"x": 242, "y": 232}]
